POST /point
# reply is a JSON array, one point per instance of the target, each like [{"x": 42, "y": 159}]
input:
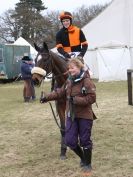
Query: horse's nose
[{"x": 36, "y": 82}]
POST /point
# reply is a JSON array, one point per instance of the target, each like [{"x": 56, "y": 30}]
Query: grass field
[{"x": 30, "y": 138}]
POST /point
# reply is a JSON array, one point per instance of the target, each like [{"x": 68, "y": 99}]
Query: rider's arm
[
  {"x": 59, "y": 46},
  {"x": 84, "y": 44}
]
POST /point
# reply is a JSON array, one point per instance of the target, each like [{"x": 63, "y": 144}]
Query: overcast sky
[{"x": 68, "y": 5}]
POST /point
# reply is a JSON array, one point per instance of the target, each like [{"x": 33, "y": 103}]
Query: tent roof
[
  {"x": 115, "y": 23},
  {"x": 22, "y": 41}
]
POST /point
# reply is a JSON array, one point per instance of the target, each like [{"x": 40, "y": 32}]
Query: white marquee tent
[
  {"x": 22, "y": 41},
  {"x": 110, "y": 37}
]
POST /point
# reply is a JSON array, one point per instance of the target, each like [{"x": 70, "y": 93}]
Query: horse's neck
[
  {"x": 58, "y": 64},
  {"x": 59, "y": 68}
]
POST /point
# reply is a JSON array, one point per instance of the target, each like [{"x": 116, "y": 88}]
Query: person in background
[
  {"x": 80, "y": 93},
  {"x": 70, "y": 40},
  {"x": 26, "y": 67}
]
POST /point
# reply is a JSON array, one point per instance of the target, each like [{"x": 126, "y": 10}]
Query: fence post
[{"x": 129, "y": 80}]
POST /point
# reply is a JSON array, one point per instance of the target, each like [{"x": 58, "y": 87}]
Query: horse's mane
[
  {"x": 61, "y": 68},
  {"x": 59, "y": 61}
]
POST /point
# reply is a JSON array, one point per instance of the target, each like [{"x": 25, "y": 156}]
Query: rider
[{"x": 70, "y": 39}]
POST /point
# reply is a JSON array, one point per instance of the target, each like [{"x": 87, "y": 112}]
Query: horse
[{"x": 57, "y": 66}]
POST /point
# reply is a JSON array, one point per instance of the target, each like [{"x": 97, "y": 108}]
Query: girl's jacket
[{"x": 81, "y": 92}]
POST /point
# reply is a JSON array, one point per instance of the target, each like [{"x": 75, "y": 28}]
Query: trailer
[{"x": 10, "y": 60}]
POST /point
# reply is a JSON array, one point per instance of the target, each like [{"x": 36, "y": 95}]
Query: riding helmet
[{"x": 65, "y": 15}]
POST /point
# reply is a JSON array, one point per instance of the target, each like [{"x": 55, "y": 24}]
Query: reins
[
  {"x": 58, "y": 75},
  {"x": 54, "y": 115},
  {"x": 57, "y": 121},
  {"x": 50, "y": 62},
  {"x": 55, "y": 118}
]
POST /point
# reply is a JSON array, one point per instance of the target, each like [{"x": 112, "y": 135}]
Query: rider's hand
[{"x": 66, "y": 55}]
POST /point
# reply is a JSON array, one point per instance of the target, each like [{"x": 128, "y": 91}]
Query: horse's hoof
[{"x": 63, "y": 157}]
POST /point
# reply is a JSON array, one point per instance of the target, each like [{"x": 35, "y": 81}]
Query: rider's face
[{"x": 66, "y": 23}]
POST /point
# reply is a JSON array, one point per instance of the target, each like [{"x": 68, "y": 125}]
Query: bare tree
[
  {"x": 53, "y": 17},
  {"x": 84, "y": 15},
  {"x": 9, "y": 29}
]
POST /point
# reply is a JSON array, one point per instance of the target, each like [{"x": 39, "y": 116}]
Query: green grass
[{"x": 30, "y": 138}]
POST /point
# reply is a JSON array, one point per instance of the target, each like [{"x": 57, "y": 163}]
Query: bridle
[{"x": 49, "y": 63}]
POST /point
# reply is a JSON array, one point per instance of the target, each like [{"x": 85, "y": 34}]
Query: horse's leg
[{"x": 61, "y": 111}]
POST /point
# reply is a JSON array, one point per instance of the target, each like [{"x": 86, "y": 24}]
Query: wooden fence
[{"x": 130, "y": 90}]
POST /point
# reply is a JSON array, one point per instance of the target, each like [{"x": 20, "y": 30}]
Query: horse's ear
[
  {"x": 45, "y": 46},
  {"x": 36, "y": 47}
]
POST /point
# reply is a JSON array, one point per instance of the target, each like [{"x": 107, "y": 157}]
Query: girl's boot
[
  {"x": 87, "y": 168},
  {"x": 78, "y": 150}
]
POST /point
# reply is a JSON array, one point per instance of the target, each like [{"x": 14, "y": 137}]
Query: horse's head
[
  {"x": 51, "y": 63},
  {"x": 42, "y": 64}
]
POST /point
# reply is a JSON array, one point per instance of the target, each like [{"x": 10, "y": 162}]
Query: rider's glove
[{"x": 66, "y": 55}]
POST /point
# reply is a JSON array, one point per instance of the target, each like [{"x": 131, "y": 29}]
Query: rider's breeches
[{"x": 78, "y": 132}]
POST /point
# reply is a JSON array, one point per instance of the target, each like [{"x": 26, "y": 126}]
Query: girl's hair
[{"x": 76, "y": 62}]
